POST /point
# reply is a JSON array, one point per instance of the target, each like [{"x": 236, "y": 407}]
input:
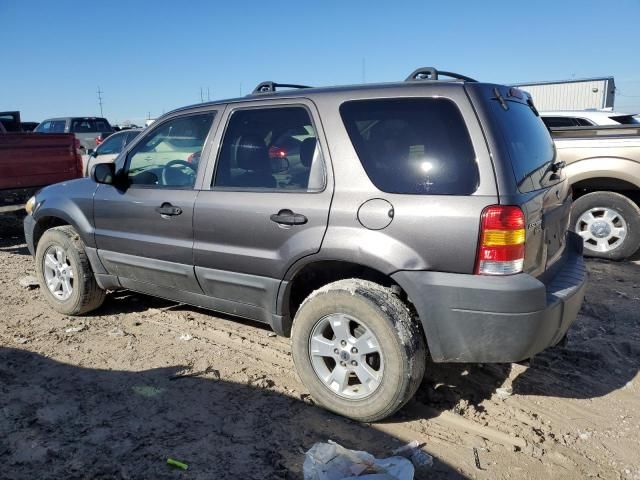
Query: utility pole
[
  {"x": 208, "y": 95},
  {"x": 201, "y": 97},
  {"x": 100, "y": 92}
]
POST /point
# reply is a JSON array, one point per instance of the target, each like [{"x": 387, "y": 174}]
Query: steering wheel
[{"x": 175, "y": 176}]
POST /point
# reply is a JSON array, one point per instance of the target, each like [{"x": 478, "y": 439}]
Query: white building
[{"x": 582, "y": 94}]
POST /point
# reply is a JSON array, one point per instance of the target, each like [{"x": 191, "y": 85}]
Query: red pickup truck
[{"x": 30, "y": 161}]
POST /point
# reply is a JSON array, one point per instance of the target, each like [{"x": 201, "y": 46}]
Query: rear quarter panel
[{"x": 428, "y": 232}]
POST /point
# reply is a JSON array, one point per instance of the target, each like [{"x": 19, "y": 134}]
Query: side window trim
[
  {"x": 226, "y": 117},
  {"x": 140, "y": 139}
]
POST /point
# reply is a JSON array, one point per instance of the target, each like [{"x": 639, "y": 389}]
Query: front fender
[{"x": 71, "y": 202}]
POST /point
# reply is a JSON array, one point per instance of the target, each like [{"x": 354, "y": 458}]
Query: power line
[{"x": 100, "y": 92}]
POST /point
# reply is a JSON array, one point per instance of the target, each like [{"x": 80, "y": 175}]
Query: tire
[
  {"x": 85, "y": 294},
  {"x": 624, "y": 215},
  {"x": 400, "y": 341}
]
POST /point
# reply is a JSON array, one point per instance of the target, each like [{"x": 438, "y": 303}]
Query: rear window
[
  {"x": 89, "y": 125},
  {"x": 528, "y": 142},
  {"x": 413, "y": 146},
  {"x": 626, "y": 119},
  {"x": 555, "y": 122}
]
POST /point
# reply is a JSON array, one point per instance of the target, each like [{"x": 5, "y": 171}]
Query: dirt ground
[{"x": 115, "y": 393}]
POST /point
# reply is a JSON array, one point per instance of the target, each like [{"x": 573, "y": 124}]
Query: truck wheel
[
  {"x": 609, "y": 223},
  {"x": 357, "y": 349},
  {"x": 65, "y": 274}
]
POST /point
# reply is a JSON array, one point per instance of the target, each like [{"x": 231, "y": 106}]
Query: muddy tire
[
  {"x": 609, "y": 223},
  {"x": 64, "y": 272},
  {"x": 357, "y": 349}
]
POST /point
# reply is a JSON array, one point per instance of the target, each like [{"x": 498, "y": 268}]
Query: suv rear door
[
  {"x": 265, "y": 203},
  {"x": 144, "y": 223},
  {"x": 524, "y": 158}
]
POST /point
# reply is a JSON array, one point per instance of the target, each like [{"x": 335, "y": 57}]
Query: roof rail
[
  {"x": 269, "y": 87},
  {"x": 430, "y": 73}
]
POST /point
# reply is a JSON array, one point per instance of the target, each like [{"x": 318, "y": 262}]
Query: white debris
[
  {"x": 77, "y": 329},
  {"x": 116, "y": 332},
  {"x": 29, "y": 281},
  {"x": 185, "y": 337},
  {"x": 503, "y": 393},
  {"x": 330, "y": 461}
]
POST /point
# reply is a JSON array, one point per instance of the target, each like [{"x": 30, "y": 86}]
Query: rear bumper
[{"x": 471, "y": 318}]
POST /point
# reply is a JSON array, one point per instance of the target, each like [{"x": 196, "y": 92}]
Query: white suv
[{"x": 587, "y": 118}]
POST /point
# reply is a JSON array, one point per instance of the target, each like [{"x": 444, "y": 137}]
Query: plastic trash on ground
[{"x": 330, "y": 461}]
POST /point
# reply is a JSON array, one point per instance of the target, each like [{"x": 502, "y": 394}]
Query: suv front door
[
  {"x": 266, "y": 204},
  {"x": 144, "y": 224}
]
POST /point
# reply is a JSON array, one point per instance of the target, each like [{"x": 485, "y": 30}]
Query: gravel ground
[{"x": 114, "y": 393}]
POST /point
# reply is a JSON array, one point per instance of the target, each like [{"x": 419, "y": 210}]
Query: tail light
[
  {"x": 277, "y": 152},
  {"x": 501, "y": 243},
  {"x": 99, "y": 140}
]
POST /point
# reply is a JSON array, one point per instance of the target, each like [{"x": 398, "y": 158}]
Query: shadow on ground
[
  {"x": 12, "y": 234},
  {"x": 65, "y": 421},
  {"x": 602, "y": 353}
]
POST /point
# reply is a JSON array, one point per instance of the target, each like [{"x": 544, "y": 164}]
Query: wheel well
[
  {"x": 42, "y": 225},
  {"x": 318, "y": 274},
  {"x": 603, "y": 184}
]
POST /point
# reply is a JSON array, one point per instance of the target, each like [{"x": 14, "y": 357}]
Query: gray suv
[{"x": 376, "y": 225}]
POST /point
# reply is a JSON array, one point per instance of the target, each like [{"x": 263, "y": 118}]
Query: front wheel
[
  {"x": 609, "y": 224},
  {"x": 358, "y": 350},
  {"x": 64, "y": 272}
]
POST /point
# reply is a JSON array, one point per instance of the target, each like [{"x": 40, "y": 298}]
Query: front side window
[
  {"x": 169, "y": 155},
  {"x": 413, "y": 145},
  {"x": 270, "y": 148}
]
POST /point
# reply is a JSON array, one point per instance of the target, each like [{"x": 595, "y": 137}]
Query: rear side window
[
  {"x": 528, "y": 142},
  {"x": 270, "y": 148},
  {"x": 413, "y": 145}
]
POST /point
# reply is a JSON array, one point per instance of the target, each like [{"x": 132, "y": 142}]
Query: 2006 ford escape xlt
[{"x": 375, "y": 224}]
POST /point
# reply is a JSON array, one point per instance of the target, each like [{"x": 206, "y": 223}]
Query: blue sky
[{"x": 153, "y": 56}]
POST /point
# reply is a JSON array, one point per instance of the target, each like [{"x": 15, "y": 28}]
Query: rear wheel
[
  {"x": 65, "y": 274},
  {"x": 609, "y": 224},
  {"x": 358, "y": 350}
]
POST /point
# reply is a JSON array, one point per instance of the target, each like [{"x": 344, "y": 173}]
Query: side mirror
[
  {"x": 91, "y": 152},
  {"x": 104, "y": 173}
]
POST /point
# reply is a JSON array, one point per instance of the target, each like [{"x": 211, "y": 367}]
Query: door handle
[
  {"x": 168, "y": 209},
  {"x": 287, "y": 217}
]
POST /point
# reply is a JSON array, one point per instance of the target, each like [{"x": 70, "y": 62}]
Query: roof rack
[
  {"x": 270, "y": 87},
  {"x": 430, "y": 73}
]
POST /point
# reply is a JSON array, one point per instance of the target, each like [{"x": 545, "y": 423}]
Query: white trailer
[{"x": 582, "y": 94}]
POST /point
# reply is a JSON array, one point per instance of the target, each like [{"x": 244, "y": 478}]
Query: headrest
[{"x": 252, "y": 153}]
